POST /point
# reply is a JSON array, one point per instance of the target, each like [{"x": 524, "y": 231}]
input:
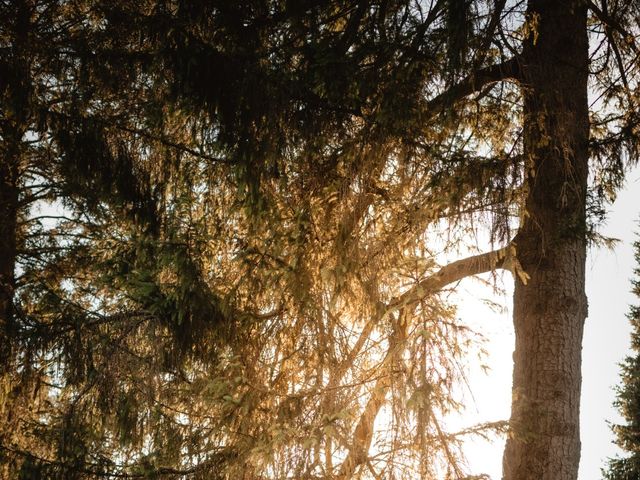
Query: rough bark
[
  {"x": 8, "y": 216},
  {"x": 550, "y": 309},
  {"x": 10, "y": 133},
  {"x": 14, "y": 98}
]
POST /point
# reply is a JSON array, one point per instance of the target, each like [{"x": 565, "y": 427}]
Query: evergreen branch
[
  {"x": 97, "y": 470},
  {"x": 353, "y": 24},
  {"x": 509, "y": 69},
  {"x": 617, "y": 55},
  {"x": 161, "y": 137},
  {"x": 503, "y": 258},
  {"x": 490, "y": 31},
  {"x": 363, "y": 433},
  {"x": 164, "y": 140},
  {"x": 612, "y": 23}
]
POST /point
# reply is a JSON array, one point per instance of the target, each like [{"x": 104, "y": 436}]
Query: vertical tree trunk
[
  {"x": 9, "y": 171},
  {"x": 14, "y": 105},
  {"x": 11, "y": 132},
  {"x": 549, "y": 311},
  {"x": 8, "y": 220}
]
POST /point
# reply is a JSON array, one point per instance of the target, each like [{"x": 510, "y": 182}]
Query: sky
[
  {"x": 606, "y": 343},
  {"x": 607, "y": 331}
]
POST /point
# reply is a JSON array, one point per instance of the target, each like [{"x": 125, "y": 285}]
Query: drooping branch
[
  {"x": 363, "y": 433},
  {"x": 96, "y": 470},
  {"x": 161, "y": 138}
]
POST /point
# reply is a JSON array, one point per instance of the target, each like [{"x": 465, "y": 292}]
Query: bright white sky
[{"x": 606, "y": 342}]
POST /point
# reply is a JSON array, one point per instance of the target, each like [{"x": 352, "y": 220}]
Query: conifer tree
[
  {"x": 543, "y": 61},
  {"x": 123, "y": 326},
  {"x": 628, "y": 396}
]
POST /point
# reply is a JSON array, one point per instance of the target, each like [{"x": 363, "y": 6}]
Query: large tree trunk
[
  {"x": 550, "y": 309},
  {"x": 8, "y": 219},
  {"x": 14, "y": 105},
  {"x": 13, "y": 120},
  {"x": 9, "y": 171}
]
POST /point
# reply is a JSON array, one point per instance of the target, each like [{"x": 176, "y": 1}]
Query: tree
[
  {"x": 51, "y": 152},
  {"x": 550, "y": 308},
  {"x": 143, "y": 307},
  {"x": 627, "y": 397}
]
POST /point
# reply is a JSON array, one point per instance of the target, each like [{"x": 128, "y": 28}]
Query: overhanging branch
[
  {"x": 503, "y": 258},
  {"x": 613, "y": 24}
]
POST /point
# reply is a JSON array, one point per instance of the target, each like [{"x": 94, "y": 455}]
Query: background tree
[{"x": 627, "y": 397}]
